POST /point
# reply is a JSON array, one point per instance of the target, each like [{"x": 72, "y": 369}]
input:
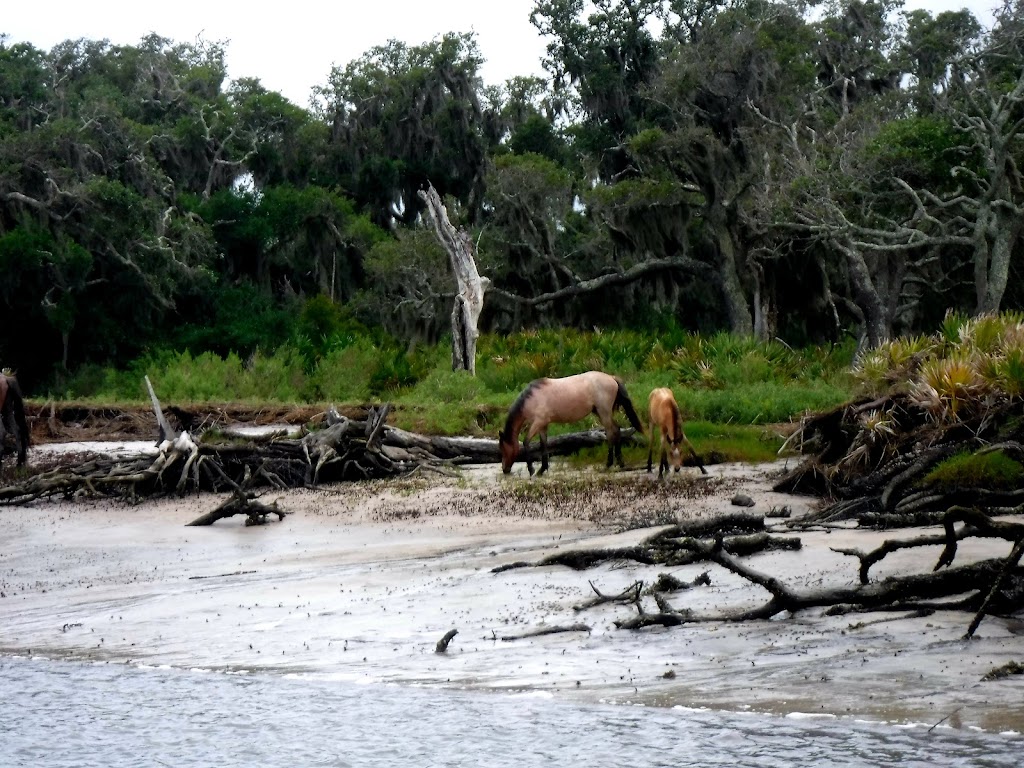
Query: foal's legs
[{"x": 656, "y": 434}]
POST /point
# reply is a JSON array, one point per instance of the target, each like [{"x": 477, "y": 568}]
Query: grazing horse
[
  {"x": 564, "y": 401},
  {"x": 12, "y": 416},
  {"x": 668, "y": 423}
]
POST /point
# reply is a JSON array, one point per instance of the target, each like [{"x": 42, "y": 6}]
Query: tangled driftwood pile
[
  {"x": 345, "y": 449},
  {"x": 994, "y": 585},
  {"x": 872, "y": 460},
  {"x": 873, "y": 463}
]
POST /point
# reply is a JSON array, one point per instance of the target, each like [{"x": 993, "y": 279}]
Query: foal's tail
[
  {"x": 15, "y": 405},
  {"x": 622, "y": 399}
]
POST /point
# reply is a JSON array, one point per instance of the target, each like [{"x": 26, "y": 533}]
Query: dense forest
[{"x": 791, "y": 169}]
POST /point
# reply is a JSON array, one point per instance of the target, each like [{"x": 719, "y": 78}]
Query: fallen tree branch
[
  {"x": 887, "y": 594},
  {"x": 1009, "y": 564},
  {"x": 221, "y": 575},
  {"x": 630, "y": 594},
  {"x": 547, "y": 631}
]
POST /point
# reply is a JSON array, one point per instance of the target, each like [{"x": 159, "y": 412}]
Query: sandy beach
[{"x": 360, "y": 581}]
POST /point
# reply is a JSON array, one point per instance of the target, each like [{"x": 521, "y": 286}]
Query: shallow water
[{"x": 61, "y": 713}]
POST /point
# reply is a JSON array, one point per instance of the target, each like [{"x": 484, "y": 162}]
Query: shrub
[{"x": 343, "y": 374}]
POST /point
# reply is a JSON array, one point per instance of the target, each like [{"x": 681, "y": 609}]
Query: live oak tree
[
  {"x": 983, "y": 101},
  {"x": 834, "y": 161},
  {"x": 402, "y": 117},
  {"x": 98, "y": 141},
  {"x": 290, "y": 240}
]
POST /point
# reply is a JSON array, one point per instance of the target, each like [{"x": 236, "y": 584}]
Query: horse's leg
[
  {"x": 543, "y": 452},
  {"x": 663, "y": 467},
  {"x": 611, "y": 430},
  {"x": 650, "y": 453},
  {"x": 526, "y": 454},
  {"x": 9, "y": 426},
  {"x": 18, "y": 440}
]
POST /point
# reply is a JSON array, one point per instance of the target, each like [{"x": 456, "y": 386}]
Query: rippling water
[{"x": 75, "y": 714}]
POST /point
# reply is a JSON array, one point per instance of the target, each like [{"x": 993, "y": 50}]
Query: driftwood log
[{"x": 553, "y": 630}]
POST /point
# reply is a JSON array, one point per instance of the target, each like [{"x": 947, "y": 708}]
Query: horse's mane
[
  {"x": 516, "y": 410},
  {"x": 677, "y": 420}
]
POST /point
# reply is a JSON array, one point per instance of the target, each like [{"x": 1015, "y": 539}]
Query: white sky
[{"x": 292, "y": 46}]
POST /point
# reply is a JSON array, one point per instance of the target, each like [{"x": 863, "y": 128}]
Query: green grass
[
  {"x": 728, "y": 388},
  {"x": 720, "y": 442}
]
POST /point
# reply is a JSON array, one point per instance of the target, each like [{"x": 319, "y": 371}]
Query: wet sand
[{"x": 360, "y": 582}]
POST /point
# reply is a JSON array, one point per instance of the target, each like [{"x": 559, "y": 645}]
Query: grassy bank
[{"x": 730, "y": 389}]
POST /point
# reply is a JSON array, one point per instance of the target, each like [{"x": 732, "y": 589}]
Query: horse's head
[
  {"x": 675, "y": 455},
  {"x": 509, "y": 447}
]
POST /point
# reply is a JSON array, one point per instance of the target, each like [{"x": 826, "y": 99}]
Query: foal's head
[{"x": 675, "y": 455}]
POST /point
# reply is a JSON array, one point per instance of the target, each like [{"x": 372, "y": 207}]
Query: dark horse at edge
[
  {"x": 12, "y": 416},
  {"x": 564, "y": 401}
]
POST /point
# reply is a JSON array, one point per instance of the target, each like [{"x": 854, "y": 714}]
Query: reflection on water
[{"x": 74, "y": 714}]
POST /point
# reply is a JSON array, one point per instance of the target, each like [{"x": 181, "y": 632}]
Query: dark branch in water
[
  {"x": 547, "y": 631},
  {"x": 442, "y": 644}
]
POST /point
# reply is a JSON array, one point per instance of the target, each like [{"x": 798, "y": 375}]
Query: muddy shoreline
[{"x": 361, "y": 581}]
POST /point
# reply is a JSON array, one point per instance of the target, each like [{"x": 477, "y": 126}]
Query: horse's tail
[
  {"x": 622, "y": 400},
  {"x": 15, "y": 404}
]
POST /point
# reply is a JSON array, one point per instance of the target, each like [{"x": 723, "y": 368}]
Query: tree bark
[
  {"x": 876, "y": 326},
  {"x": 992, "y": 264},
  {"x": 736, "y": 306}
]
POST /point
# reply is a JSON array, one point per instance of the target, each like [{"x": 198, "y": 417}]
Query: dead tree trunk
[{"x": 469, "y": 300}]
